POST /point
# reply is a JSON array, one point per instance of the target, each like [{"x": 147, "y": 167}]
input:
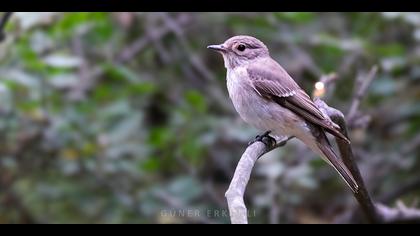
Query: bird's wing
[{"x": 271, "y": 81}]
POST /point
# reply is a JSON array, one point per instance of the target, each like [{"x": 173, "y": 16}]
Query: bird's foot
[{"x": 264, "y": 138}]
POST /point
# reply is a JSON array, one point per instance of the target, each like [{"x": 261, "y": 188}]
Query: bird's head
[{"x": 240, "y": 50}]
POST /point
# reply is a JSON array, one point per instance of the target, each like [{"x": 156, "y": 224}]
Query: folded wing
[{"x": 271, "y": 81}]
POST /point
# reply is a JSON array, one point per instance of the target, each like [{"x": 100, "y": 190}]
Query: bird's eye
[{"x": 241, "y": 47}]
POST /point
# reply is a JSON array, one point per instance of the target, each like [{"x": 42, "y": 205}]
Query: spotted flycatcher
[{"x": 265, "y": 96}]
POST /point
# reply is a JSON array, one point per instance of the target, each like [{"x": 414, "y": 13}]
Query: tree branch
[
  {"x": 138, "y": 45},
  {"x": 235, "y": 193},
  {"x": 3, "y": 21},
  {"x": 361, "y": 89}
]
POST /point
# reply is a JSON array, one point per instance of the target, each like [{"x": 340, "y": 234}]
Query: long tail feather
[{"x": 337, "y": 163}]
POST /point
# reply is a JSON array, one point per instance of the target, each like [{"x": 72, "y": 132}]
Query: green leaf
[
  {"x": 121, "y": 72},
  {"x": 388, "y": 50},
  {"x": 152, "y": 164},
  {"x": 159, "y": 136},
  {"x": 196, "y": 100},
  {"x": 143, "y": 88}
]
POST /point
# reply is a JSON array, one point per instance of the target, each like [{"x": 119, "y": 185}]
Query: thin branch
[
  {"x": 235, "y": 193},
  {"x": 361, "y": 91},
  {"x": 3, "y": 21},
  {"x": 346, "y": 152},
  {"x": 329, "y": 79},
  {"x": 137, "y": 46},
  {"x": 194, "y": 60}
]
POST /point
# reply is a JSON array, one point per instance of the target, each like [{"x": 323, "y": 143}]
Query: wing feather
[{"x": 271, "y": 81}]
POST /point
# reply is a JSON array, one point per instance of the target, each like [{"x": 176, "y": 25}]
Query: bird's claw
[{"x": 264, "y": 138}]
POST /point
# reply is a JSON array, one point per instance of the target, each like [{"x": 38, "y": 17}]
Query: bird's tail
[{"x": 332, "y": 159}]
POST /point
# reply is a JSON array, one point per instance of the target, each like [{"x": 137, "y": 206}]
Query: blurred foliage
[{"x": 125, "y": 118}]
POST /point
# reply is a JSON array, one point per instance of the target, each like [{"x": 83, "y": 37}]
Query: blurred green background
[{"x": 125, "y": 118}]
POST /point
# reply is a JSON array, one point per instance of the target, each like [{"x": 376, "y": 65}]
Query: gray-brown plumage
[
  {"x": 265, "y": 95},
  {"x": 273, "y": 82}
]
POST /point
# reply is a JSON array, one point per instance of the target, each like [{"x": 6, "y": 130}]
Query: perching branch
[{"x": 235, "y": 193}]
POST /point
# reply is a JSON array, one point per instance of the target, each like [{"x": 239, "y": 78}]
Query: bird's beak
[{"x": 219, "y": 48}]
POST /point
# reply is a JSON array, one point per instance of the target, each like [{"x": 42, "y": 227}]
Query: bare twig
[
  {"x": 3, "y": 21},
  {"x": 235, "y": 193},
  {"x": 194, "y": 60},
  {"x": 362, "y": 84},
  {"x": 329, "y": 79},
  {"x": 137, "y": 46}
]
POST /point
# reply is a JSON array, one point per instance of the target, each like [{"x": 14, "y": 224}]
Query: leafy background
[{"x": 124, "y": 117}]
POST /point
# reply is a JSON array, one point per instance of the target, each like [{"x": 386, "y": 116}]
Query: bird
[{"x": 267, "y": 97}]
